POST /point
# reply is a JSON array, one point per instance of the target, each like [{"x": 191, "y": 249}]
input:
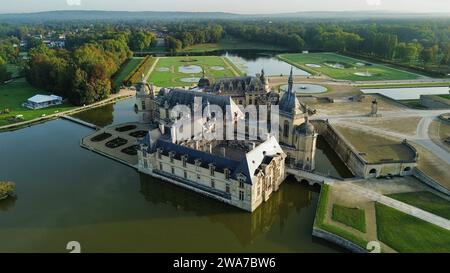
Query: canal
[{"x": 66, "y": 193}]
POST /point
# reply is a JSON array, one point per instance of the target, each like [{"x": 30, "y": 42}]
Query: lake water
[
  {"x": 407, "y": 93},
  {"x": 252, "y": 63},
  {"x": 66, "y": 193}
]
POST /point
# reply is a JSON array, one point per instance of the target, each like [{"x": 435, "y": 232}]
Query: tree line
[{"x": 184, "y": 35}]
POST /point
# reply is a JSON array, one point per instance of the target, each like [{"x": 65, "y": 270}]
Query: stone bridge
[{"x": 310, "y": 177}]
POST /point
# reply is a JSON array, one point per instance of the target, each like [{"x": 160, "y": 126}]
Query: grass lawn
[
  {"x": 231, "y": 43},
  {"x": 13, "y": 94},
  {"x": 344, "y": 68},
  {"x": 406, "y": 233},
  {"x": 425, "y": 200},
  {"x": 172, "y": 76},
  {"x": 320, "y": 220},
  {"x": 125, "y": 70},
  {"x": 352, "y": 217}
]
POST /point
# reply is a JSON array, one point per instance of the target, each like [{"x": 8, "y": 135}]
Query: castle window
[
  {"x": 212, "y": 169},
  {"x": 185, "y": 175},
  {"x": 198, "y": 176},
  {"x": 241, "y": 185},
  {"x": 227, "y": 174},
  {"x": 171, "y": 155},
  {"x": 143, "y": 105},
  {"x": 197, "y": 164},
  {"x": 286, "y": 129},
  {"x": 159, "y": 152},
  {"x": 160, "y": 166},
  {"x": 144, "y": 153},
  {"x": 227, "y": 188},
  {"x": 145, "y": 164},
  {"x": 250, "y": 101},
  {"x": 184, "y": 159},
  {"x": 213, "y": 183},
  {"x": 167, "y": 113},
  {"x": 241, "y": 195},
  {"x": 173, "y": 170}
]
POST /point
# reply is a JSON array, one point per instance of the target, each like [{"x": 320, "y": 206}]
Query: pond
[
  {"x": 407, "y": 93},
  {"x": 190, "y": 69},
  {"x": 67, "y": 193},
  {"x": 252, "y": 63},
  {"x": 306, "y": 88}
]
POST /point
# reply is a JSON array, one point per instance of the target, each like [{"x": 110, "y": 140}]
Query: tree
[
  {"x": 140, "y": 40},
  {"x": 173, "y": 44},
  {"x": 4, "y": 74}
]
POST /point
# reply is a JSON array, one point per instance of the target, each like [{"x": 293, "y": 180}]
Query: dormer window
[
  {"x": 184, "y": 160},
  {"x": 171, "y": 156},
  {"x": 241, "y": 178},
  {"x": 227, "y": 174},
  {"x": 159, "y": 152},
  {"x": 212, "y": 169},
  {"x": 198, "y": 162}
]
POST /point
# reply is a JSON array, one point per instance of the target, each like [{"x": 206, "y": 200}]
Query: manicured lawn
[
  {"x": 425, "y": 200},
  {"x": 320, "y": 220},
  {"x": 352, "y": 217},
  {"x": 344, "y": 68},
  {"x": 13, "y": 94},
  {"x": 231, "y": 43},
  {"x": 125, "y": 70},
  {"x": 172, "y": 76},
  {"x": 406, "y": 233}
]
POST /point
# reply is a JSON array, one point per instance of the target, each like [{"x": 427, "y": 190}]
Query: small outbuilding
[{"x": 43, "y": 101}]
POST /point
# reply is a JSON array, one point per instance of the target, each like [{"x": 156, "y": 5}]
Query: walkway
[{"x": 408, "y": 209}]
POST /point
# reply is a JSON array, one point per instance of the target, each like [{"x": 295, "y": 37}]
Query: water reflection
[
  {"x": 291, "y": 199},
  {"x": 8, "y": 203}
]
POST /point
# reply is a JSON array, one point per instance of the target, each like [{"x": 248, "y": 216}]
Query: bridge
[{"x": 310, "y": 177}]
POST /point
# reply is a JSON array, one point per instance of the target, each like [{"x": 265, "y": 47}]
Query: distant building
[{"x": 42, "y": 101}]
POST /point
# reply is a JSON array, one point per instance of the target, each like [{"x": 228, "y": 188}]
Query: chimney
[{"x": 162, "y": 129}]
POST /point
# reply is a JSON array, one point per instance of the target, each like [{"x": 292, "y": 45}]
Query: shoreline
[{"x": 36, "y": 121}]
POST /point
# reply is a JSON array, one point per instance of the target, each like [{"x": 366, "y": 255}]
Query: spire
[{"x": 291, "y": 82}]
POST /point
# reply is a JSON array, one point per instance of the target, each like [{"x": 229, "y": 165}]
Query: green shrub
[{"x": 6, "y": 188}]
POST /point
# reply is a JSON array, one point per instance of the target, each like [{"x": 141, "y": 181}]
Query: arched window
[
  {"x": 373, "y": 171},
  {"x": 407, "y": 169},
  {"x": 286, "y": 129}
]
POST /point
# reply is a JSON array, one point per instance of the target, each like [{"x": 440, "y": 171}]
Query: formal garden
[
  {"x": 345, "y": 68},
  {"x": 187, "y": 71}
]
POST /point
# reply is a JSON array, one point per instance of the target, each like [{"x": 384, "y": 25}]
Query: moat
[{"x": 66, "y": 193}]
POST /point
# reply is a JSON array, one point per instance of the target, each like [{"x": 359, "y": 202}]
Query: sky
[{"x": 234, "y": 6}]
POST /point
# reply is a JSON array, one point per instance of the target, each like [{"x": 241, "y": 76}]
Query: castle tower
[
  {"x": 291, "y": 113},
  {"x": 265, "y": 81},
  {"x": 305, "y": 144},
  {"x": 145, "y": 104}
]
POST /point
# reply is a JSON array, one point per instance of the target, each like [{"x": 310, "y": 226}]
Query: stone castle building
[{"x": 243, "y": 173}]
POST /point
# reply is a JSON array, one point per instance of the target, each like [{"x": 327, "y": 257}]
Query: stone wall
[
  {"x": 430, "y": 181},
  {"x": 333, "y": 238},
  {"x": 434, "y": 102}
]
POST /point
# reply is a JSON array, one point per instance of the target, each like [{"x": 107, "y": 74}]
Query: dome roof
[
  {"x": 305, "y": 129},
  {"x": 204, "y": 82}
]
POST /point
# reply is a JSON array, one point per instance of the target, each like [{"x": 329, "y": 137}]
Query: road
[{"x": 422, "y": 132}]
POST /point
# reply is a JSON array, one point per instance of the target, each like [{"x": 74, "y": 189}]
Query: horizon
[{"x": 249, "y": 7}]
